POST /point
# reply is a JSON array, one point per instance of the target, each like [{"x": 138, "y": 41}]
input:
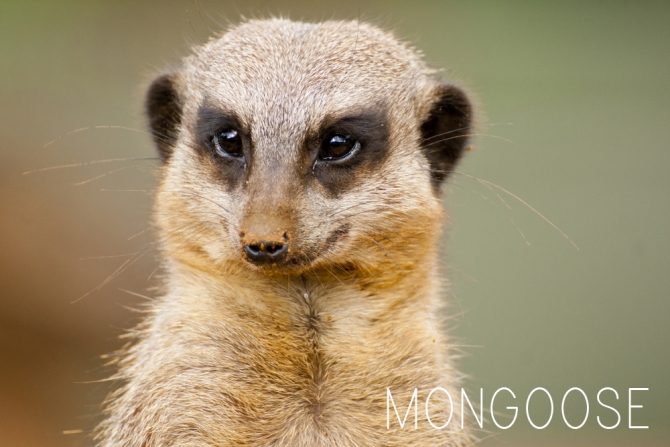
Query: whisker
[
  {"x": 188, "y": 239},
  {"x": 137, "y": 234},
  {"x": 156, "y": 135},
  {"x": 138, "y": 255},
  {"x": 118, "y": 271},
  {"x": 341, "y": 210},
  {"x": 82, "y": 129},
  {"x": 220, "y": 217},
  {"x": 328, "y": 270},
  {"x": 520, "y": 232},
  {"x": 485, "y": 182},
  {"x": 126, "y": 190},
  {"x": 111, "y": 172},
  {"x": 336, "y": 265},
  {"x": 474, "y": 192},
  {"x": 451, "y": 267},
  {"x": 137, "y": 294},
  {"x": 317, "y": 275},
  {"x": 463, "y": 128},
  {"x": 191, "y": 193},
  {"x": 107, "y": 256},
  {"x": 87, "y": 163},
  {"x": 423, "y": 140},
  {"x": 523, "y": 236},
  {"x": 471, "y": 135},
  {"x": 195, "y": 194},
  {"x": 460, "y": 305},
  {"x": 375, "y": 210},
  {"x": 499, "y": 196}
]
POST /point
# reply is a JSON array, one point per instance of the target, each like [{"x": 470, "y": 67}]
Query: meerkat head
[{"x": 290, "y": 146}]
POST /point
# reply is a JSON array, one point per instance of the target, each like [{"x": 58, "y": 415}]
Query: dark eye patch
[
  {"x": 212, "y": 123},
  {"x": 368, "y": 128}
]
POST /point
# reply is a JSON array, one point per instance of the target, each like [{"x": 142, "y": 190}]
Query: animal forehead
[
  {"x": 328, "y": 46},
  {"x": 278, "y": 64}
]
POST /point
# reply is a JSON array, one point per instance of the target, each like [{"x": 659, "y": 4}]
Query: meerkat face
[{"x": 292, "y": 145}]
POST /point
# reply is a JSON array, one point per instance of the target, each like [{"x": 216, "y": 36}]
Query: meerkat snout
[{"x": 264, "y": 240}]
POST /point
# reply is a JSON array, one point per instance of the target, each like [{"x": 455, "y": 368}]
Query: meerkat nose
[
  {"x": 265, "y": 249},
  {"x": 266, "y": 252}
]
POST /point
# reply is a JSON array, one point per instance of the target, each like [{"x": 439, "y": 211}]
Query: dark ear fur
[
  {"x": 445, "y": 132},
  {"x": 164, "y": 110}
]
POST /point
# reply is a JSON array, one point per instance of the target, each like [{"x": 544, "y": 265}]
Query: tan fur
[{"x": 234, "y": 354}]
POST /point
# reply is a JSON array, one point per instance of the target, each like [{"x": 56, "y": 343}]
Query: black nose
[{"x": 266, "y": 252}]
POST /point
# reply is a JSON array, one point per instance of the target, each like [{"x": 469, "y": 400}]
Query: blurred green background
[{"x": 580, "y": 89}]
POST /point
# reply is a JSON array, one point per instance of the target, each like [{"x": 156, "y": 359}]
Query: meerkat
[{"x": 299, "y": 214}]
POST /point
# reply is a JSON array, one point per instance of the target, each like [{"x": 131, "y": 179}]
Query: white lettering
[
  {"x": 516, "y": 409},
  {"x": 631, "y": 406},
  {"x": 415, "y": 399},
  {"x": 451, "y": 408},
  {"x": 551, "y": 415},
  {"x": 464, "y": 398},
  {"x": 586, "y": 416},
  {"x": 618, "y": 415}
]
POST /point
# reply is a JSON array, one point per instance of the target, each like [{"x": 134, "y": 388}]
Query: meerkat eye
[
  {"x": 228, "y": 143},
  {"x": 338, "y": 146}
]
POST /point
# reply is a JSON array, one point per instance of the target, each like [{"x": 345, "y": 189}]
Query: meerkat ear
[
  {"x": 446, "y": 131},
  {"x": 164, "y": 109}
]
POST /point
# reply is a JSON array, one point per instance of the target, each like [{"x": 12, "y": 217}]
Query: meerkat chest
[{"x": 308, "y": 364}]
